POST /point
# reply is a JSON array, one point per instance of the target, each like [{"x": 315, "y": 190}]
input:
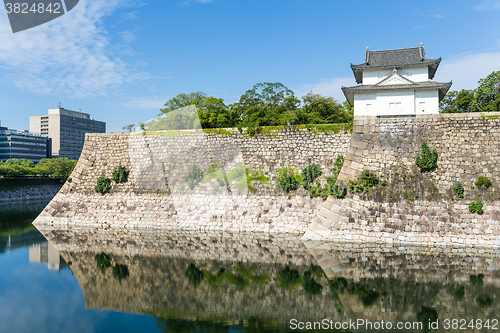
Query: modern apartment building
[
  {"x": 66, "y": 129},
  {"x": 23, "y": 144}
]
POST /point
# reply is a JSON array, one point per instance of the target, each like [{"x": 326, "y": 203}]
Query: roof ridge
[{"x": 392, "y": 50}]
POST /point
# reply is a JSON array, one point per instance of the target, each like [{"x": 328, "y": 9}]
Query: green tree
[
  {"x": 129, "y": 128},
  {"x": 213, "y": 113},
  {"x": 464, "y": 100},
  {"x": 182, "y": 100},
  {"x": 266, "y": 104},
  {"x": 318, "y": 109},
  {"x": 487, "y": 97},
  {"x": 449, "y": 104},
  {"x": 458, "y": 102}
]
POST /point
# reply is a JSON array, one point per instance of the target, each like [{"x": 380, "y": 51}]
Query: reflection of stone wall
[
  {"x": 409, "y": 277},
  {"x": 156, "y": 194},
  {"x": 404, "y": 277}
]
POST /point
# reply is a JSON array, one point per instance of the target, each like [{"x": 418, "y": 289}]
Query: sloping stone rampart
[
  {"x": 156, "y": 194},
  {"x": 467, "y": 147}
]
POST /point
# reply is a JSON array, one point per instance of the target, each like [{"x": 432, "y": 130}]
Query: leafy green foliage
[
  {"x": 289, "y": 278},
  {"x": 311, "y": 286},
  {"x": 483, "y": 183},
  {"x": 476, "y": 280},
  {"x": 309, "y": 174},
  {"x": 427, "y": 160},
  {"x": 338, "y": 285},
  {"x": 288, "y": 178},
  {"x": 459, "y": 293},
  {"x": 318, "y": 109},
  {"x": 366, "y": 295},
  {"x": 267, "y": 104},
  {"x": 128, "y": 128},
  {"x": 366, "y": 180},
  {"x": 194, "y": 177},
  {"x": 316, "y": 190},
  {"x": 257, "y": 175},
  {"x": 484, "y": 301},
  {"x": 103, "y": 261},
  {"x": 425, "y": 316},
  {"x": 487, "y": 94},
  {"x": 120, "y": 174},
  {"x": 215, "y": 172},
  {"x": 194, "y": 275},
  {"x": 457, "y": 102},
  {"x": 103, "y": 184},
  {"x": 120, "y": 272},
  {"x": 476, "y": 207},
  {"x": 459, "y": 190},
  {"x": 55, "y": 168}
]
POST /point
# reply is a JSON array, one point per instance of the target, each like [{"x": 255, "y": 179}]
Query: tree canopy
[
  {"x": 486, "y": 97},
  {"x": 55, "y": 168},
  {"x": 265, "y": 104}
]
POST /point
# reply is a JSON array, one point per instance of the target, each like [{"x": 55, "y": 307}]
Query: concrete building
[
  {"x": 46, "y": 253},
  {"x": 396, "y": 82},
  {"x": 66, "y": 129},
  {"x": 23, "y": 144}
]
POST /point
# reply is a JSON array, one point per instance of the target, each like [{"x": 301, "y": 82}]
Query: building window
[
  {"x": 395, "y": 106},
  {"x": 368, "y": 107},
  {"x": 421, "y": 106}
]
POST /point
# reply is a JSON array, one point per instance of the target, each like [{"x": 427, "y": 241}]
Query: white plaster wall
[
  {"x": 375, "y": 75},
  {"x": 431, "y": 100},
  {"x": 360, "y": 102},
  {"x": 380, "y": 103},
  {"x": 416, "y": 74}
]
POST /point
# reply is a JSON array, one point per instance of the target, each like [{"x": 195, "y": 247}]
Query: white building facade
[{"x": 396, "y": 82}]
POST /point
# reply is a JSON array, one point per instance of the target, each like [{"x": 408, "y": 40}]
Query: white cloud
[
  {"x": 327, "y": 87},
  {"x": 465, "y": 70},
  {"x": 127, "y": 36},
  {"x": 438, "y": 16},
  {"x": 72, "y": 58},
  {"x": 488, "y": 5},
  {"x": 130, "y": 15},
  {"x": 154, "y": 102}
]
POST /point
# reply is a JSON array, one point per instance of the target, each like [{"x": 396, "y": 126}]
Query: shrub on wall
[
  {"x": 366, "y": 180},
  {"x": 459, "y": 190},
  {"x": 103, "y": 184},
  {"x": 120, "y": 174},
  {"x": 194, "y": 177},
  {"x": 309, "y": 175},
  {"x": 288, "y": 178},
  {"x": 483, "y": 182},
  {"x": 427, "y": 159},
  {"x": 476, "y": 207}
]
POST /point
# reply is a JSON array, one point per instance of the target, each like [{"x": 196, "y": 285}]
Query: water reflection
[{"x": 259, "y": 281}]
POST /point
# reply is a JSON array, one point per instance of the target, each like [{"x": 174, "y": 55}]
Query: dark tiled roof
[
  {"x": 443, "y": 88},
  {"x": 398, "y": 58}
]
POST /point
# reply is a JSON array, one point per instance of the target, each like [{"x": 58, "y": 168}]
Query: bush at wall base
[
  {"x": 120, "y": 174},
  {"x": 476, "y": 207},
  {"x": 103, "y": 184}
]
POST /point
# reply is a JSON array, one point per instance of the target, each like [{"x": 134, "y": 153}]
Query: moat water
[{"x": 89, "y": 280}]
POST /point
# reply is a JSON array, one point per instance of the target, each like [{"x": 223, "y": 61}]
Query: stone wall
[
  {"x": 467, "y": 144},
  {"x": 422, "y": 209},
  {"x": 157, "y": 195}
]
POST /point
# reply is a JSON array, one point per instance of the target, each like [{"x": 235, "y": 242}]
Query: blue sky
[{"x": 121, "y": 60}]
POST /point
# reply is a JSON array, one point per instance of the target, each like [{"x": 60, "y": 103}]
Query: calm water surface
[{"x": 84, "y": 280}]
